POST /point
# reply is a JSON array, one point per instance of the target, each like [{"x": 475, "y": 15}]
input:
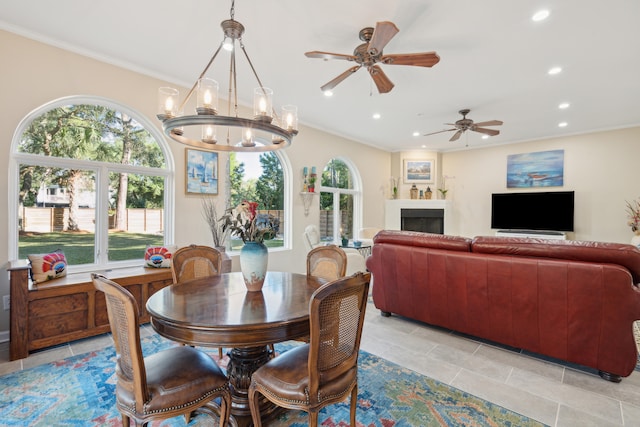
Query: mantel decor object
[{"x": 413, "y": 192}]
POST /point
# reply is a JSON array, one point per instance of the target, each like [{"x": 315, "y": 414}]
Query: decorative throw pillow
[
  {"x": 158, "y": 256},
  {"x": 48, "y": 266}
]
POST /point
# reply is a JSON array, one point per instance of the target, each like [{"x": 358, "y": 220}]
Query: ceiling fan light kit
[
  {"x": 370, "y": 53},
  {"x": 464, "y": 124},
  {"x": 264, "y": 132}
]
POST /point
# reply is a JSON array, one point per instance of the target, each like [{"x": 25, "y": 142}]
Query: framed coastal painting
[
  {"x": 201, "y": 171},
  {"x": 418, "y": 171},
  {"x": 539, "y": 169}
]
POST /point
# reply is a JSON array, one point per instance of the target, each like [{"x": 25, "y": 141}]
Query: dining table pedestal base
[{"x": 243, "y": 362}]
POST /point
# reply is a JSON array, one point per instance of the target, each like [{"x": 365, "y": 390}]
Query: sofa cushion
[
  {"x": 426, "y": 240},
  {"x": 627, "y": 256}
]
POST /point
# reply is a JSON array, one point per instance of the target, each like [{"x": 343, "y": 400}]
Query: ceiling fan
[
  {"x": 465, "y": 124},
  {"x": 369, "y": 54}
]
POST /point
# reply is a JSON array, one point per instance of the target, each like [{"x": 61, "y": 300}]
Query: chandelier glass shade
[{"x": 210, "y": 130}]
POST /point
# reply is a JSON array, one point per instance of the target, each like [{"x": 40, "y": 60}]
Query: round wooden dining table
[{"x": 218, "y": 311}]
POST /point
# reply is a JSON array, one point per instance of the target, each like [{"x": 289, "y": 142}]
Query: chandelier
[{"x": 266, "y": 131}]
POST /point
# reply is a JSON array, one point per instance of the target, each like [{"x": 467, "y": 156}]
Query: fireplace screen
[{"x": 423, "y": 220}]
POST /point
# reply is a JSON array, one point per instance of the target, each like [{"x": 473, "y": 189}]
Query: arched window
[
  {"x": 262, "y": 178},
  {"x": 91, "y": 178},
  {"x": 340, "y": 201}
]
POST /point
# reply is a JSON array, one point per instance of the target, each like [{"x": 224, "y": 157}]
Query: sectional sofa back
[{"x": 627, "y": 256}]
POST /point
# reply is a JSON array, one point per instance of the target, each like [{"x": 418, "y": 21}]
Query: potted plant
[{"x": 312, "y": 182}]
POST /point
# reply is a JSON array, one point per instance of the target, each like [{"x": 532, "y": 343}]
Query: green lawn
[{"x": 78, "y": 247}]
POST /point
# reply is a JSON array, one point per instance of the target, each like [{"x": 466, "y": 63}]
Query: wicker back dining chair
[
  {"x": 172, "y": 382},
  {"x": 324, "y": 371},
  {"x": 327, "y": 262},
  {"x": 194, "y": 261}
]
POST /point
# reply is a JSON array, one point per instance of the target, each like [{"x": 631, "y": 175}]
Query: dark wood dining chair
[
  {"x": 172, "y": 382},
  {"x": 327, "y": 262},
  {"x": 194, "y": 261},
  {"x": 324, "y": 371}
]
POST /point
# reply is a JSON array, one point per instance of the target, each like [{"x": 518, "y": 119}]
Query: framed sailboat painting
[{"x": 201, "y": 171}]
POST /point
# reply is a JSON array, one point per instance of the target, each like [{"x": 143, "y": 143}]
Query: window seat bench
[{"x": 69, "y": 308}]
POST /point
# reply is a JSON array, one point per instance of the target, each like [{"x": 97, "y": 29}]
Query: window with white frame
[
  {"x": 261, "y": 178},
  {"x": 91, "y": 178},
  {"x": 340, "y": 201}
]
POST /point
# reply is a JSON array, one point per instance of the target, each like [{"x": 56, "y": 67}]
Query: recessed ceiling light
[
  {"x": 485, "y": 136},
  {"x": 416, "y": 133},
  {"x": 328, "y": 93},
  {"x": 541, "y": 15},
  {"x": 563, "y": 105},
  {"x": 555, "y": 70},
  {"x": 563, "y": 124},
  {"x": 376, "y": 116}
]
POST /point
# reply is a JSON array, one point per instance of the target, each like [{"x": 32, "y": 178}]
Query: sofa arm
[{"x": 426, "y": 240}]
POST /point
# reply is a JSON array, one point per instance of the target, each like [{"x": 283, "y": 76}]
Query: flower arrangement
[
  {"x": 245, "y": 222},
  {"x": 633, "y": 215}
]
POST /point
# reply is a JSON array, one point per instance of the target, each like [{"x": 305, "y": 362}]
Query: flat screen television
[{"x": 540, "y": 211}]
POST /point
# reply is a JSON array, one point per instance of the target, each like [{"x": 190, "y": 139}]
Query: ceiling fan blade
[
  {"x": 381, "y": 80},
  {"x": 491, "y": 132},
  {"x": 333, "y": 83},
  {"x": 456, "y": 136},
  {"x": 440, "y": 131},
  {"x": 329, "y": 55},
  {"x": 489, "y": 123},
  {"x": 426, "y": 59},
  {"x": 382, "y": 34}
]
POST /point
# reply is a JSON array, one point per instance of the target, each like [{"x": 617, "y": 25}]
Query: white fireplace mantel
[{"x": 393, "y": 207}]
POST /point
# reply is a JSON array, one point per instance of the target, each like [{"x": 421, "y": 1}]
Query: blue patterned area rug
[{"x": 79, "y": 391}]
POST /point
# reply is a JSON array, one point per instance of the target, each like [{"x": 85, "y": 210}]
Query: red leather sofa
[{"x": 569, "y": 300}]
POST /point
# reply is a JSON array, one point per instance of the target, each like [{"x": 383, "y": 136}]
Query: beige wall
[
  {"x": 34, "y": 74},
  {"x": 600, "y": 167}
]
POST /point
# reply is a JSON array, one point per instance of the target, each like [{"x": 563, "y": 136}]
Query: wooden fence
[{"x": 48, "y": 220}]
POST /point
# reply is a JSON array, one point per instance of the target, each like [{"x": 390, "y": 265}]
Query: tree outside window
[
  {"x": 258, "y": 178},
  {"x": 91, "y": 182}
]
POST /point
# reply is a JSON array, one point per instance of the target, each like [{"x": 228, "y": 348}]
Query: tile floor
[{"x": 552, "y": 393}]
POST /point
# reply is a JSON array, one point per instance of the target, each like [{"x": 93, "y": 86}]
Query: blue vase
[{"x": 254, "y": 257}]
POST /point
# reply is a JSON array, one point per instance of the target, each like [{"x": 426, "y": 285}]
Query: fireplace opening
[{"x": 423, "y": 220}]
